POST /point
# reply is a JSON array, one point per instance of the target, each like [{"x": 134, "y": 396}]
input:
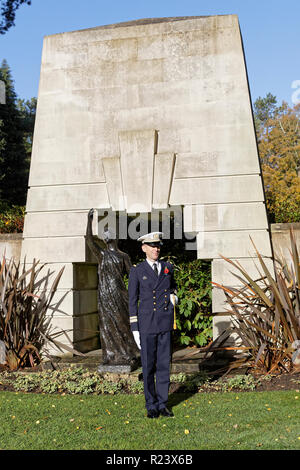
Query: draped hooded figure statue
[{"x": 117, "y": 342}]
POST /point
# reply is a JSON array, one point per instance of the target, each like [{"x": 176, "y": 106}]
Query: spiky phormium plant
[
  {"x": 26, "y": 312},
  {"x": 266, "y": 314}
]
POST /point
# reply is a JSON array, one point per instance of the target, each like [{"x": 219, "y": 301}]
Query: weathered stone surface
[
  {"x": 213, "y": 190},
  {"x": 86, "y": 332},
  {"x": 232, "y": 244},
  {"x": 56, "y": 224},
  {"x": 66, "y": 280},
  {"x": 113, "y": 176},
  {"x": 61, "y": 249},
  {"x": 213, "y": 163},
  {"x": 220, "y": 324},
  {"x": 282, "y": 240},
  {"x": 11, "y": 245},
  {"x": 137, "y": 161},
  {"x": 219, "y": 303},
  {"x": 64, "y": 323},
  {"x": 212, "y": 217},
  {"x": 67, "y": 197},
  {"x": 117, "y": 369},
  {"x": 81, "y": 302},
  {"x": 163, "y": 173},
  {"x": 85, "y": 276},
  {"x": 223, "y": 271}
]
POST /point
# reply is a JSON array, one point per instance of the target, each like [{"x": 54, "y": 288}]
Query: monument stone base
[
  {"x": 117, "y": 369},
  {"x": 120, "y": 368}
]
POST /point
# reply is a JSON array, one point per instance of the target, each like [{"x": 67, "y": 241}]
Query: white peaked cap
[{"x": 152, "y": 237}]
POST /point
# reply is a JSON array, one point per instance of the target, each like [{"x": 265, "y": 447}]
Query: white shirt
[{"x": 151, "y": 263}]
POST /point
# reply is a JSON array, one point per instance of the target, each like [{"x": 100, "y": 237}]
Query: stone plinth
[{"x": 116, "y": 369}]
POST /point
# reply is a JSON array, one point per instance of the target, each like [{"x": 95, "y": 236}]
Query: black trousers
[{"x": 156, "y": 359}]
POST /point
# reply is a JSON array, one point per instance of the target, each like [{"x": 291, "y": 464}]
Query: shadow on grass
[{"x": 178, "y": 397}]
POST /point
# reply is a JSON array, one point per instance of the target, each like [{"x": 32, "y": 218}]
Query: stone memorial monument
[{"x": 139, "y": 116}]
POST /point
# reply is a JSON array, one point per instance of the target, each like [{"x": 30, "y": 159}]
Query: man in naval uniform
[{"x": 152, "y": 294}]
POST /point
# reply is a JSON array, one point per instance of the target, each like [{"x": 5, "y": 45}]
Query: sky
[{"x": 270, "y": 31}]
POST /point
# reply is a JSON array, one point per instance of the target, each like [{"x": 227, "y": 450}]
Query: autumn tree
[{"x": 278, "y": 135}]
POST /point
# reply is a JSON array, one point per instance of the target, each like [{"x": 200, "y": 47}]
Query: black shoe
[
  {"x": 152, "y": 414},
  {"x": 165, "y": 412}
]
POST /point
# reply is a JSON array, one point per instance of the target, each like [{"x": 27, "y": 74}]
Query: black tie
[{"x": 155, "y": 269}]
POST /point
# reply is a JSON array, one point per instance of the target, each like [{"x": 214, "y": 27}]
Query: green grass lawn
[{"x": 246, "y": 420}]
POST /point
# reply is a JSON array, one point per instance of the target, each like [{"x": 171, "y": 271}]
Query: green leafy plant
[
  {"x": 78, "y": 380},
  {"x": 266, "y": 314},
  {"x": 240, "y": 382},
  {"x": 26, "y": 312},
  {"x": 11, "y": 219},
  {"x": 74, "y": 381},
  {"x": 193, "y": 313}
]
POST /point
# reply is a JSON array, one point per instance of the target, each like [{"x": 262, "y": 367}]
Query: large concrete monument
[{"x": 140, "y": 116}]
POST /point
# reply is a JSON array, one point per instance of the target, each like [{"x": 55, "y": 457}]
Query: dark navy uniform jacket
[{"x": 150, "y": 308}]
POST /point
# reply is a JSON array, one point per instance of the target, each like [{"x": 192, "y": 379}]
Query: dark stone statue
[{"x": 117, "y": 342}]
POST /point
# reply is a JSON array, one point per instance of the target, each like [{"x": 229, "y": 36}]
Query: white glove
[
  {"x": 136, "y": 335},
  {"x": 174, "y": 298}
]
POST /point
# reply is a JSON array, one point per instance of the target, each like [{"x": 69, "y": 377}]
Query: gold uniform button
[{"x": 154, "y": 309}]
